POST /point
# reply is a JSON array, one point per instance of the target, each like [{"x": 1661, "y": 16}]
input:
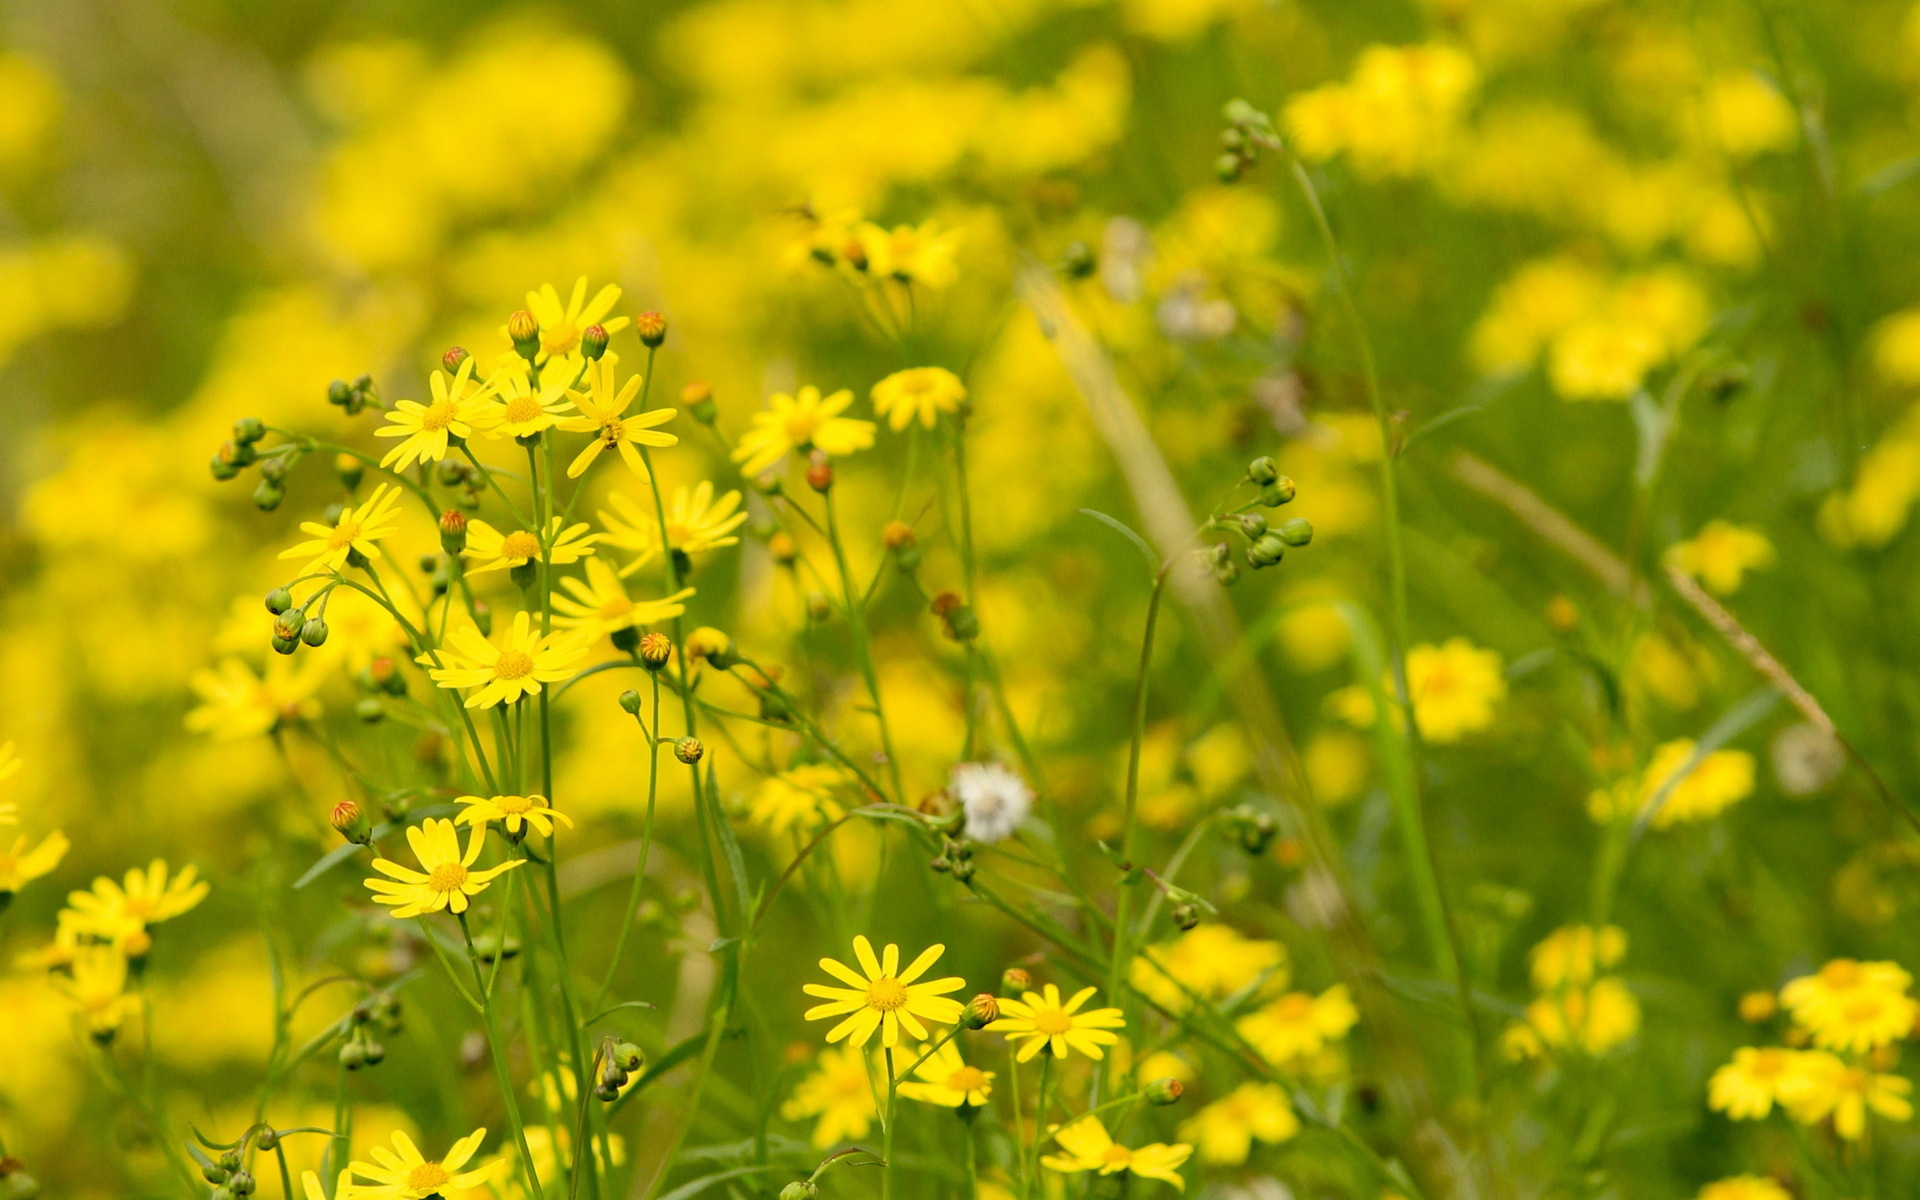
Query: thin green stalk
[
  {"x": 886, "y": 1149},
  {"x": 646, "y": 849},
  {"x": 501, "y": 1075},
  {"x": 862, "y": 651}
]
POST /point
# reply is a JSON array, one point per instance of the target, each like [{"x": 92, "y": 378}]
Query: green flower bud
[
  {"x": 1263, "y": 470},
  {"x": 285, "y": 645},
  {"x": 630, "y": 701},
  {"x": 353, "y": 1055},
  {"x": 314, "y": 632},
  {"x": 241, "y": 1184},
  {"x": 593, "y": 343},
  {"x": 268, "y": 496},
  {"x": 350, "y": 470},
  {"x": 1186, "y": 915},
  {"x": 1228, "y": 167},
  {"x": 1163, "y": 1091},
  {"x": 339, "y": 394},
  {"x": 688, "y": 750},
  {"x": 630, "y": 1057},
  {"x": 222, "y": 469},
  {"x": 376, "y": 1053},
  {"x": 1297, "y": 532},
  {"x": 1253, "y": 524},
  {"x": 370, "y": 711},
  {"x": 1279, "y": 492},
  {"x": 800, "y": 1189},
  {"x": 279, "y": 600},
  {"x": 248, "y": 430},
  {"x": 1266, "y": 552}
]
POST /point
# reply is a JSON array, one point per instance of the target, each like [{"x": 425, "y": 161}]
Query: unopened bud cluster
[
  {"x": 1266, "y": 542},
  {"x": 1248, "y": 132},
  {"x": 619, "y": 1063}
]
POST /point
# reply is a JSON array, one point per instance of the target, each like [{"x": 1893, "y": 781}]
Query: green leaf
[
  {"x": 614, "y": 1008},
  {"x": 1120, "y": 527},
  {"x": 687, "y": 1190}
]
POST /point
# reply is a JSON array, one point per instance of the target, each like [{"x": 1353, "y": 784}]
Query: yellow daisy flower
[
  {"x": 1040, "y": 1020},
  {"x": 447, "y": 880},
  {"x": 1089, "y": 1147},
  {"x": 517, "y": 667},
  {"x": 1852, "y": 1006},
  {"x": 803, "y": 421},
  {"x": 799, "y": 798},
  {"x": 523, "y": 410},
  {"x": 356, "y": 532},
  {"x": 20, "y": 866},
  {"x": 887, "y": 999},
  {"x": 562, "y": 325},
  {"x": 514, "y": 813},
  {"x": 600, "y": 605},
  {"x": 695, "y": 522},
  {"x": 945, "y": 1079},
  {"x": 839, "y": 1092},
  {"x": 122, "y": 913},
  {"x": 459, "y": 406},
  {"x": 1225, "y": 1130},
  {"x": 403, "y": 1173},
  {"x": 1299, "y": 1025},
  {"x": 491, "y": 550},
  {"x": 921, "y": 254},
  {"x": 603, "y": 410},
  {"x": 95, "y": 983},
  {"x": 1721, "y": 554},
  {"x": 1747, "y": 1088},
  {"x": 236, "y": 703},
  {"x": 1745, "y": 1187},
  {"x": 1212, "y": 962},
  {"x": 1455, "y": 687},
  {"x": 923, "y": 392},
  {"x": 1821, "y": 1086}
]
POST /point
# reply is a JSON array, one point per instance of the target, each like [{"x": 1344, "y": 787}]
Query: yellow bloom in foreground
[
  {"x": 517, "y": 667},
  {"x": 447, "y": 880},
  {"x": 122, "y": 912},
  {"x": 458, "y": 408},
  {"x": 1747, "y": 1088},
  {"x": 803, "y": 421},
  {"x": 513, "y": 812},
  {"x": 492, "y": 550},
  {"x": 923, "y": 392},
  {"x": 603, "y": 413},
  {"x": 522, "y": 410},
  {"x": 1717, "y": 781},
  {"x": 1821, "y": 1086},
  {"x": 1212, "y": 962},
  {"x": 96, "y": 985},
  {"x": 1225, "y": 1130},
  {"x": 600, "y": 605},
  {"x": 946, "y": 1079},
  {"x": 1089, "y": 1147},
  {"x": 1454, "y": 687},
  {"x": 695, "y": 522},
  {"x": 1853, "y": 1006},
  {"x": 403, "y": 1173},
  {"x": 20, "y": 866},
  {"x": 799, "y": 798},
  {"x": 1041, "y": 1021},
  {"x": 887, "y": 999},
  {"x": 562, "y": 325},
  {"x": 1745, "y": 1187},
  {"x": 839, "y": 1092},
  {"x": 1299, "y": 1025},
  {"x": 1721, "y": 554},
  {"x": 357, "y": 531}
]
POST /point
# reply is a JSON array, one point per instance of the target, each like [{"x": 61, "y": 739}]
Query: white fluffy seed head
[{"x": 994, "y": 799}]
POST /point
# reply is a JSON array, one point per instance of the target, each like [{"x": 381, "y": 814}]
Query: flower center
[
  {"x": 1841, "y": 973},
  {"x": 886, "y": 994},
  {"x": 676, "y": 534},
  {"x": 447, "y": 877},
  {"x": 439, "y": 415},
  {"x": 1296, "y": 1007},
  {"x": 1052, "y": 1021},
  {"x": 514, "y": 804},
  {"x": 427, "y": 1176},
  {"x": 612, "y": 430},
  {"x": 520, "y": 544},
  {"x": 801, "y": 426},
  {"x": 513, "y": 664},
  {"x": 522, "y": 409},
  {"x": 1862, "y": 1010},
  {"x": 343, "y": 535},
  {"x": 614, "y": 610},
  {"x": 967, "y": 1079},
  {"x": 561, "y": 339},
  {"x": 1116, "y": 1155}
]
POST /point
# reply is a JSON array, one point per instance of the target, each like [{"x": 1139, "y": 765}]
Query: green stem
[
  {"x": 862, "y": 652},
  {"x": 502, "y": 1076}
]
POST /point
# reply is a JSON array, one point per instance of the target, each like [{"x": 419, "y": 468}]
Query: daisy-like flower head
[
  {"x": 887, "y": 998},
  {"x": 1747, "y": 1088},
  {"x": 1852, "y": 1006},
  {"x": 20, "y": 866},
  {"x": 523, "y": 410},
  {"x": 235, "y": 703},
  {"x": 459, "y": 406},
  {"x": 838, "y": 1092},
  {"x": 946, "y": 1079},
  {"x": 1041, "y": 1021},
  {"x": 562, "y": 325},
  {"x": 1089, "y": 1147},
  {"x": 921, "y": 254},
  {"x": 360, "y": 526},
  {"x": 923, "y": 392},
  {"x": 1226, "y": 1129},
  {"x": 1299, "y": 1024},
  {"x": 403, "y": 1173},
  {"x": 695, "y": 522},
  {"x": 600, "y": 605},
  {"x": 517, "y": 667},
  {"x": 1820, "y": 1086},
  {"x": 803, "y": 421},
  {"x": 95, "y": 983},
  {"x": 490, "y": 550},
  {"x": 121, "y": 913},
  {"x": 1721, "y": 554},
  {"x": 515, "y": 813},
  {"x": 446, "y": 880},
  {"x": 603, "y": 413},
  {"x": 799, "y": 798}
]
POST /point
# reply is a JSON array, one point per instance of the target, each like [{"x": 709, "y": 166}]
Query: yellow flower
[
  {"x": 839, "y": 1092},
  {"x": 887, "y": 999},
  {"x": 20, "y": 866},
  {"x": 1718, "y": 780},
  {"x": 600, "y": 605},
  {"x": 9, "y": 761},
  {"x": 1602, "y": 359},
  {"x": 946, "y": 1080},
  {"x": 523, "y": 411},
  {"x": 96, "y": 985},
  {"x": 492, "y": 550},
  {"x": 1593, "y": 1020},
  {"x": 1212, "y": 962},
  {"x": 799, "y": 798},
  {"x": 1043, "y": 1022},
  {"x": 910, "y": 254},
  {"x": 923, "y": 392},
  {"x": 1745, "y": 1187},
  {"x": 403, "y": 1173},
  {"x": 358, "y": 528},
  {"x": 1299, "y": 1025},
  {"x": 458, "y": 408},
  {"x": 1089, "y": 1147},
  {"x": 122, "y": 913},
  {"x": 603, "y": 413},
  {"x": 1853, "y": 1006},
  {"x": 447, "y": 882},
  {"x": 695, "y": 523},
  {"x": 236, "y": 703},
  {"x": 1820, "y": 1086},
  {"x": 1745, "y": 115},
  {"x": 513, "y": 812},
  {"x": 561, "y": 326},
  {"x": 505, "y": 673},
  {"x": 1575, "y": 954},
  {"x": 1455, "y": 687},
  {"x": 1721, "y": 554},
  {"x": 803, "y": 421},
  {"x": 1747, "y": 1088},
  {"x": 1225, "y": 1130}
]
